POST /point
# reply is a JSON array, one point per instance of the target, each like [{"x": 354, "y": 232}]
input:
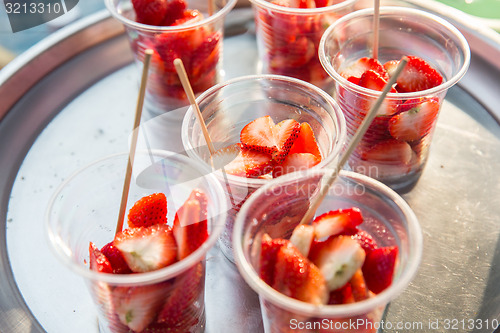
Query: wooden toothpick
[
  {"x": 376, "y": 28},
  {"x": 354, "y": 142},
  {"x": 138, "y": 112}
]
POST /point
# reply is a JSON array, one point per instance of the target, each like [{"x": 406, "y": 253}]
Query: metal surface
[{"x": 82, "y": 108}]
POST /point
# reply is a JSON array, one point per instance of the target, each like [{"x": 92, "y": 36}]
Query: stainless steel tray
[{"x": 71, "y": 99}]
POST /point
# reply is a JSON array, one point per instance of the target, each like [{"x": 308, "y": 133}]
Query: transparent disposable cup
[
  {"x": 198, "y": 44},
  {"x": 278, "y": 207},
  {"x": 288, "y": 38},
  {"x": 229, "y": 106},
  {"x": 403, "y": 32},
  {"x": 85, "y": 209}
]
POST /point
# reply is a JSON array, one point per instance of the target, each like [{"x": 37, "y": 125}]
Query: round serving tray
[{"x": 71, "y": 99}]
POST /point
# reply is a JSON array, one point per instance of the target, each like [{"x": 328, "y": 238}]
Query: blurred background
[{"x": 12, "y": 44}]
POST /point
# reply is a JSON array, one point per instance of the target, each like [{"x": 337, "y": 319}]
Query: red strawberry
[
  {"x": 150, "y": 12},
  {"x": 374, "y": 81},
  {"x": 189, "y": 16},
  {"x": 362, "y": 65},
  {"x": 391, "y": 66},
  {"x": 98, "y": 261},
  {"x": 285, "y": 133},
  {"x": 321, "y": 3},
  {"x": 378, "y": 268},
  {"x": 175, "y": 10},
  {"x": 306, "y": 141},
  {"x": 365, "y": 240},
  {"x": 241, "y": 161},
  {"x": 137, "y": 307},
  {"x": 259, "y": 135},
  {"x": 297, "y": 277},
  {"x": 268, "y": 253},
  {"x": 180, "y": 307},
  {"x": 116, "y": 259},
  {"x": 205, "y": 57},
  {"x": 415, "y": 123},
  {"x": 148, "y": 211},
  {"x": 390, "y": 152},
  {"x": 358, "y": 286},
  {"x": 190, "y": 224},
  {"x": 418, "y": 75},
  {"x": 147, "y": 249},
  {"x": 295, "y": 162},
  {"x": 342, "y": 295},
  {"x": 337, "y": 222},
  {"x": 297, "y": 53}
]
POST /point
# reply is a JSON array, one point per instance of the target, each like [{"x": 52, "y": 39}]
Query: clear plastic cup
[
  {"x": 198, "y": 44},
  {"x": 273, "y": 209},
  {"x": 85, "y": 209},
  {"x": 288, "y": 38},
  {"x": 403, "y": 32},
  {"x": 229, "y": 106}
]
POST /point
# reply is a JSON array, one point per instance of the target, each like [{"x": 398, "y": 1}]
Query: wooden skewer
[
  {"x": 210, "y": 7},
  {"x": 354, "y": 142},
  {"x": 376, "y": 29},
  {"x": 138, "y": 112}
]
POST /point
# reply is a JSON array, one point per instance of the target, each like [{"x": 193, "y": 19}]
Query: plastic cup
[
  {"x": 288, "y": 38},
  {"x": 198, "y": 44},
  {"x": 85, "y": 208},
  {"x": 229, "y": 106},
  {"x": 272, "y": 209},
  {"x": 403, "y": 32}
]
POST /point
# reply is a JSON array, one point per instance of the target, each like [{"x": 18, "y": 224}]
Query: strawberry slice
[
  {"x": 338, "y": 258},
  {"x": 150, "y": 12},
  {"x": 137, "y": 307},
  {"x": 342, "y": 295},
  {"x": 189, "y": 16},
  {"x": 175, "y": 10},
  {"x": 297, "y": 277},
  {"x": 98, "y": 261},
  {"x": 302, "y": 238},
  {"x": 390, "y": 151},
  {"x": 268, "y": 253},
  {"x": 378, "y": 268},
  {"x": 240, "y": 161},
  {"x": 295, "y": 54},
  {"x": 374, "y": 81},
  {"x": 362, "y": 65},
  {"x": 285, "y": 133},
  {"x": 147, "y": 249},
  {"x": 418, "y": 75},
  {"x": 337, "y": 222},
  {"x": 415, "y": 123},
  {"x": 365, "y": 240},
  {"x": 295, "y": 162},
  {"x": 148, "y": 211},
  {"x": 306, "y": 142},
  {"x": 390, "y": 67},
  {"x": 259, "y": 135},
  {"x": 190, "y": 224},
  {"x": 116, "y": 259}
]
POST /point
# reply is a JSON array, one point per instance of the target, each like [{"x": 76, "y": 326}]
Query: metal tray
[{"x": 71, "y": 98}]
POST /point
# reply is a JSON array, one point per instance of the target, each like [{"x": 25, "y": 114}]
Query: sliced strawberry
[
  {"x": 390, "y": 67},
  {"x": 205, "y": 57},
  {"x": 180, "y": 307},
  {"x": 116, "y": 259},
  {"x": 338, "y": 258},
  {"x": 359, "y": 289},
  {"x": 175, "y": 10},
  {"x": 190, "y": 224},
  {"x": 189, "y": 16},
  {"x": 295, "y": 162},
  {"x": 374, "y": 81},
  {"x": 137, "y": 307},
  {"x": 147, "y": 249},
  {"x": 306, "y": 141},
  {"x": 390, "y": 152},
  {"x": 342, "y": 295},
  {"x": 150, "y": 12},
  {"x": 148, "y": 211},
  {"x": 268, "y": 253},
  {"x": 302, "y": 238},
  {"x": 259, "y": 135},
  {"x": 241, "y": 161},
  {"x": 286, "y": 133},
  {"x": 362, "y": 65},
  {"x": 295, "y": 276},
  {"x": 378, "y": 268},
  {"x": 365, "y": 240},
  {"x": 418, "y": 75},
  {"x": 321, "y": 3},
  {"x": 98, "y": 261},
  {"x": 297, "y": 53},
  {"x": 337, "y": 222},
  {"x": 415, "y": 123}
]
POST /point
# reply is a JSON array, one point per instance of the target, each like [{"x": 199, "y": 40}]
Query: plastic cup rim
[
  {"x": 287, "y": 303},
  {"x": 256, "y": 182},
  {"x": 462, "y": 45},
  {"x": 148, "y": 277},
  {"x": 303, "y": 11},
  {"x": 159, "y": 29}
]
